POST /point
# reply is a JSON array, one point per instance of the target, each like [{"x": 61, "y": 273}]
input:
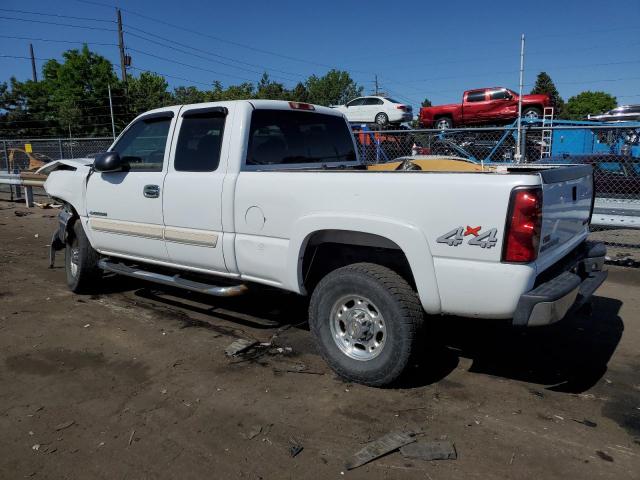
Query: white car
[
  {"x": 220, "y": 197},
  {"x": 380, "y": 110}
]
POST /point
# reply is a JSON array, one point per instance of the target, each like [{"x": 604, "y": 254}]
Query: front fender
[{"x": 409, "y": 239}]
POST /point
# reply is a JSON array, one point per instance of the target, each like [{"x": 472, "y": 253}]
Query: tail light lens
[
  {"x": 524, "y": 222},
  {"x": 401, "y": 107}
]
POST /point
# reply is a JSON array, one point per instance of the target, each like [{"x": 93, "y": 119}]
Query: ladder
[{"x": 547, "y": 132}]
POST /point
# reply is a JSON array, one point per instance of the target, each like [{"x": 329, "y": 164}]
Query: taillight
[
  {"x": 401, "y": 107},
  {"x": 301, "y": 106},
  {"x": 524, "y": 222}
]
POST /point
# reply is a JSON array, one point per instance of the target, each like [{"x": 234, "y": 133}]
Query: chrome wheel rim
[
  {"x": 531, "y": 114},
  {"x": 358, "y": 327},
  {"x": 380, "y": 119},
  {"x": 442, "y": 125},
  {"x": 73, "y": 263}
]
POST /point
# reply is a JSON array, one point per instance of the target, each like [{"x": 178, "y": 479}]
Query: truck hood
[{"x": 74, "y": 163}]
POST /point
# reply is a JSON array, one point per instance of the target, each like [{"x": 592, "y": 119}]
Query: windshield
[{"x": 294, "y": 137}]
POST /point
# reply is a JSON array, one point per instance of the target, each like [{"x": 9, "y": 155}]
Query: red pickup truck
[{"x": 483, "y": 106}]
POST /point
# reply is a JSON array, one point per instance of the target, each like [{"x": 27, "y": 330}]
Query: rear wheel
[
  {"x": 382, "y": 118},
  {"x": 531, "y": 113},
  {"x": 81, "y": 262},
  {"x": 366, "y": 319},
  {"x": 443, "y": 123}
]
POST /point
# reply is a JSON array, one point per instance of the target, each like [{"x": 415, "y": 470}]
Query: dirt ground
[{"x": 133, "y": 383}]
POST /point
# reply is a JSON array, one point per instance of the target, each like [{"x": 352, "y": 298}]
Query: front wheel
[
  {"x": 531, "y": 113},
  {"x": 81, "y": 262},
  {"x": 366, "y": 320}
]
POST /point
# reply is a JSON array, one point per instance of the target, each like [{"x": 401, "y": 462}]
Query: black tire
[
  {"x": 381, "y": 119},
  {"x": 396, "y": 301},
  {"x": 532, "y": 112},
  {"x": 443, "y": 123},
  {"x": 84, "y": 278}
]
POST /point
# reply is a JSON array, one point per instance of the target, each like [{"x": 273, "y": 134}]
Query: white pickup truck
[{"x": 219, "y": 197}]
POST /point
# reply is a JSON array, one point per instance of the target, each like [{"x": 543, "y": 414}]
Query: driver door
[{"x": 125, "y": 208}]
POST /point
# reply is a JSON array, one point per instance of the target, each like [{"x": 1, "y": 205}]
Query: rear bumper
[{"x": 569, "y": 285}]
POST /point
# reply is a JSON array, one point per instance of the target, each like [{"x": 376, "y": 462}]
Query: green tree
[
  {"x": 270, "y": 90},
  {"x": 186, "y": 95},
  {"x": 426, "y": 102},
  {"x": 239, "y": 92},
  {"x": 335, "y": 88},
  {"x": 544, "y": 85},
  {"x": 299, "y": 93},
  {"x": 146, "y": 92},
  {"x": 78, "y": 89},
  {"x": 579, "y": 106}
]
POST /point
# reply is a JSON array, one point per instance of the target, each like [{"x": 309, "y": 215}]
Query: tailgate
[{"x": 567, "y": 194}]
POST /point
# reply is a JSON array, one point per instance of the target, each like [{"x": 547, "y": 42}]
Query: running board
[{"x": 173, "y": 281}]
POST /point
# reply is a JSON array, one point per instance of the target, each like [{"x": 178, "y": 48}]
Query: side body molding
[{"x": 408, "y": 237}]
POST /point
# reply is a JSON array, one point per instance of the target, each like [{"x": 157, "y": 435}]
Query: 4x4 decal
[{"x": 457, "y": 236}]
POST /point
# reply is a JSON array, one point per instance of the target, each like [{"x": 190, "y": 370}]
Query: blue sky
[{"x": 418, "y": 49}]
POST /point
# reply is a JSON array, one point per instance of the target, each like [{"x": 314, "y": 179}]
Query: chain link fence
[
  {"x": 612, "y": 150},
  {"x": 29, "y": 154}
]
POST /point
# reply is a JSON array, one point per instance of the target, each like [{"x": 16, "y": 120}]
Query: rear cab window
[
  {"x": 476, "y": 96},
  {"x": 199, "y": 142},
  {"x": 288, "y": 138}
]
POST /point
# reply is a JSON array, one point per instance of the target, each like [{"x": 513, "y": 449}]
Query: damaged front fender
[{"x": 61, "y": 234}]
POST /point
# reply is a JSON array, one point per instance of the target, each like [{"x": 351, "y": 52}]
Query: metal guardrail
[{"x": 22, "y": 182}]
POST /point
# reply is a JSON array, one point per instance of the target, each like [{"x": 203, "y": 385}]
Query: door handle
[{"x": 151, "y": 191}]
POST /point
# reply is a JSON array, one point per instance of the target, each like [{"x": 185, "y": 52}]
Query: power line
[
  {"x": 219, "y": 39},
  {"x": 36, "y": 39},
  {"x": 56, "y": 15},
  {"x": 170, "y": 76},
  {"x": 187, "y": 64},
  {"x": 264, "y": 68},
  {"x": 546, "y": 68},
  {"x": 59, "y": 24}
]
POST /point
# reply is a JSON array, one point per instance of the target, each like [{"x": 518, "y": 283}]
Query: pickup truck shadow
[{"x": 570, "y": 356}]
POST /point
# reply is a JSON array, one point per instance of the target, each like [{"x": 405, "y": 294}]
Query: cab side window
[
  {"x": 477, "y": 96},
  {"x": 356, "y": 102},
  {"x": 199, "y": 142},
  {"x": 373, "y": 101},
  {"x": 144, "y": 143}
]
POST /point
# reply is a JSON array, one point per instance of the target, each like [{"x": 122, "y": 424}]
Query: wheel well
[
  {"x": 443, "y": 115},
  {"x": 328, "y": 250},
  {"x": 537, "y": 107}
]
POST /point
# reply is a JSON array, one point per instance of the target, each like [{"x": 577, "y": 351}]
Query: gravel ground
[{"x": 133, "y": 383}]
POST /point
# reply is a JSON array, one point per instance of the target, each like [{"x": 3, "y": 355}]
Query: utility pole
[
  {"x": 376, "y": 82},
  {"x": 518, "y": 155},
  {"x": 113, "y": 124},
  {"x": 33, "y": 63},
  {"x": 123, "y": 68}
]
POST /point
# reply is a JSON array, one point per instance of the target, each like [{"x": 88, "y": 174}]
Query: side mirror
[{"x": 109, "y": 162}]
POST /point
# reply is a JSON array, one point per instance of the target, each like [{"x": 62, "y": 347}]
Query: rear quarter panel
[{"x": 276, "y": 211}]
